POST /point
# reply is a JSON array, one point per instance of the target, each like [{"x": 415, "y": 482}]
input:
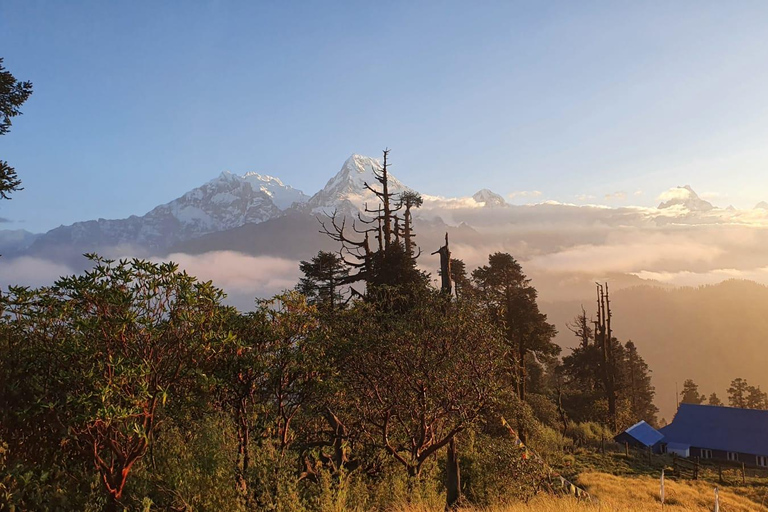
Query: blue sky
[{"x": 137, "y": 102}]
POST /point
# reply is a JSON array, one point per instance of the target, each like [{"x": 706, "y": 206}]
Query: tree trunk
[
  {"x": 111, "y": 505},
  {"x": 453, "y": 476}
]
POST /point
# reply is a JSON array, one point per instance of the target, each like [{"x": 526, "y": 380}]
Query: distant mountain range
[
  {"x": 228, "y": 202},
  {"x": 232, "y": 202}
]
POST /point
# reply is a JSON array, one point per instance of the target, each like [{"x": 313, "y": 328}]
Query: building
[
  {"x": 713, "y": 432},
  {"x": 640, "y": 435}
]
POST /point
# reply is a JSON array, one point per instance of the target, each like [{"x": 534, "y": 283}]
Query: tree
[
  {"x": 419, "y": 377},
  {"x": 511, "y": 300},
  {"x": 407, "y": 201},
  {"x": 714, "y": 400},
  {"x": 690, "y": 393},
  {"x": 13, "y": 94},
  {"x": 391, "y": 261},
  {"x": 120, "y": 340},
  {"x": 756, "y": 398},
  {"x": 638, "y": 389},
  {"x": 323, "y": 276},
  {"x": 461, "y": 282},
  {"x": 738, "y": 393}
]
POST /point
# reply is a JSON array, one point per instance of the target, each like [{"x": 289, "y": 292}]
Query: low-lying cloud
[{"x": 244, "y": 278}]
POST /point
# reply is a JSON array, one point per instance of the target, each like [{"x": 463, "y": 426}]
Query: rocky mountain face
[
  {"x": 15, "y": 240},
  {"x": 346, "y": 191},
  {"x": 223, "y": 203}
]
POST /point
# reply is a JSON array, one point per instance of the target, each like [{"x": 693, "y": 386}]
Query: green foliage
[
  {"x": 102, "y": 353},
  {"x": 323, "y": 277}
]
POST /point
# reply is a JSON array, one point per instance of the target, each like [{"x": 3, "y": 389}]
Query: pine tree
[
  {"x": 13, "y": 94},
  {"x": 756, "y": 398},
  {"x": 715, "y": 400},
  {"x": 639, "y": 390},
  {"x": 690, "y": 393},
  {"x": 737, "y": 393},
  {"x": 507, "y": 291},
  {"x": 323, "y": 277}
]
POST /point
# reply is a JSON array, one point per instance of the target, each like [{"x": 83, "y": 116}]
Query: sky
[{"x": 611, "y": 103}]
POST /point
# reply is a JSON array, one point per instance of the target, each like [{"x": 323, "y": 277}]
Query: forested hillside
[{"x": 711, "y": 334}]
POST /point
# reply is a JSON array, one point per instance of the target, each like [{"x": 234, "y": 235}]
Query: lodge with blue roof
[{"x": 707, "y": 432}]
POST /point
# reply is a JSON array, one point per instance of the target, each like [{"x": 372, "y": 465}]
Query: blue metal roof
[
  {"x": 644, "y": 433},
  {"x": 719, "y": 428}
]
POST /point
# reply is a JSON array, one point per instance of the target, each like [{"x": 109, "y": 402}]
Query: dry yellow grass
[{"x": 636, "y": 494}]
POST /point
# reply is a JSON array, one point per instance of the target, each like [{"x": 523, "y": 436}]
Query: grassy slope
[
  {"x": 631, "y": 484},
  {"x": 634, "y": 494}
]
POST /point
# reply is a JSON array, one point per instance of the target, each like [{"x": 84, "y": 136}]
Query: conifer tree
[
  {"x": 13, "y": 94},
  {"x": 690, "y": 393},
  {"x": 738, "y": 392},
  {"x": 508, "y": 293},
  {"x": 639, "y": 390},
  {"x": 756, "y": 398},
  {"x": 323, "y": 276},
  {"x": 714, "y": 400}
]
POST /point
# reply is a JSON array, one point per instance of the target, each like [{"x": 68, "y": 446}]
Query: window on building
[
  {"x": 706, "y": 454},
  {"x": 663, "y": 448},
  {"x": 733, "y": 456},
  {"x": 762, "y": 460}
]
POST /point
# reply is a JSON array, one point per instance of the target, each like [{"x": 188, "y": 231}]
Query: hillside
[{"x": 711, "y": 334}]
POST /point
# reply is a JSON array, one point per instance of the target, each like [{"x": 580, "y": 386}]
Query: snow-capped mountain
[
  {"x": 685, "y": 197},
  {"x": 489, "y": 198},
  {"x": 762, "y": 205},
  {"x": 346, "y": 192},
  {"x": 281, "y": 194},
  {"x": 225, "y": 202}
]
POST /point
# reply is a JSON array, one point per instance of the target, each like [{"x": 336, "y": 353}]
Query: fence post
[
  {"x": 743, "y": 475},
  {"x": 649, "y": 455},
  {"x": 626, "y": 449},
  {"x": 720, "y": 472}
]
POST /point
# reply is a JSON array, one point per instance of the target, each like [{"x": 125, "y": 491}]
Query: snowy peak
[
  {"x": 281, "y": 194},
  {"x": 227, "y": 201},
  {"x": 489, "y": 199},
  {"x": 346, "y": 191},
  {"x": 685, "y": 197},
  {"x": 762, "y": 205}
]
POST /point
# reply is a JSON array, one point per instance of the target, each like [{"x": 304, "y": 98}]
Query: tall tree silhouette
[
  {"x": 323, "y": 276},
  {"x": 690, "y": 393},
  {"x": 737, "y": 393},
  {"x": 378, "y": 244},
  {"x": 507, "y": 291},
  {"x": 13, "y": 94}
]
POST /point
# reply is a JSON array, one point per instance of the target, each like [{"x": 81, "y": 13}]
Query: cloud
[
  {"x": 616, "y": 196},
  {"x": 675, "y": 193},
  {"x": 627, "y": 255},
  {"x": 31, "y": 271},
  {"x": 3, "y": 220},
  {"x": 524, "y": 193},
  {"x": 241, "y": 273},
  {"x": 714, "y": 276},
  {"x": 585, "y": 197},
  {"x": 241, "y": 276}
]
